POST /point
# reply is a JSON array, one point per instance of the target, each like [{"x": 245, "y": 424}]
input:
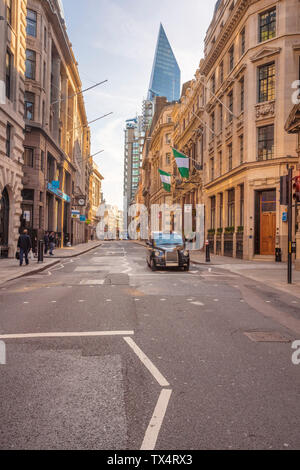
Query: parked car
[{"x": 166, "y": 250}]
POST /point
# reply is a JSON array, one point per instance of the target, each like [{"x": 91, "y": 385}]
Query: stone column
[
  {"x": 56, "y": 95},
  {"x": 64, "y": 111}
]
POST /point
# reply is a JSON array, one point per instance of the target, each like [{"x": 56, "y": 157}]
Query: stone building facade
[
  {"x": 188, "y": 138},
  {"x": 95, "y": 197},
  {"x": 252, "y": 53},
  {"x": 12, "y": 68},
  {"x": 57, "y": 137}
]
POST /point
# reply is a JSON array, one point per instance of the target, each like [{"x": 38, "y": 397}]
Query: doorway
[{"x": 267, "y": 222}]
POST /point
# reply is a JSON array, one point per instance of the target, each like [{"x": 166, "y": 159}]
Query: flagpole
[
  {"x": 218, "y": 99},
  {"x": 203, "y": 122}
]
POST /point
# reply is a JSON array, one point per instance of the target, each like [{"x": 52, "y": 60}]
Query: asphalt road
[{"x": 174, "y": 369}]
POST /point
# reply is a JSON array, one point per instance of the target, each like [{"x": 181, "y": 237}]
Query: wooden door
[{"x": 267, "y": 223}]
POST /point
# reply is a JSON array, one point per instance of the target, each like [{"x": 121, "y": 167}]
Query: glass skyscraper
[{"x": 165, "y": 76}]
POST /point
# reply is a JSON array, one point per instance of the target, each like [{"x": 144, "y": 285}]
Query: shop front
[{"x": 58, "y": 210}]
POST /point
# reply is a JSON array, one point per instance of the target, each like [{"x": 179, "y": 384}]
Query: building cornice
[
  {"x": 265, "y": 52},
  {"x": 225, "y": 35},
  {"x": 249, "y": 166}
]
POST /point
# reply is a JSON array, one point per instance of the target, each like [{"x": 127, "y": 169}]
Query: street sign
[
  {"x": 55, "y": 184},
  {"x": 58, "y": 192},
  {"x": 75, "y": 214},
  {"x": 284, "y": 217},
  {"x": 82, "y": 218}
]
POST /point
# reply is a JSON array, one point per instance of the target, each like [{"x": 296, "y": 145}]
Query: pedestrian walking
[
  {"x": 46, "y": 242},
  {"x": 24, "y": 243},
  {"x": 51, "y": 243}
]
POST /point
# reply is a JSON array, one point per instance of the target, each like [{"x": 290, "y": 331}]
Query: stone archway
[
  {"x": 10, "y": 187},
  {"x": 4, "y": 220}
]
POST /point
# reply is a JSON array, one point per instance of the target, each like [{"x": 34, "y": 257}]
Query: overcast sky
[{"x": 115, "y": 40}]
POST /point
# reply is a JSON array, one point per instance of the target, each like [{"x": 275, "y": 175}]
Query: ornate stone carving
[{"x": 264, "y": 110}]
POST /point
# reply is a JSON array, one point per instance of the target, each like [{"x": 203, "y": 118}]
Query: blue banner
[{"x": 58, "y": 193}]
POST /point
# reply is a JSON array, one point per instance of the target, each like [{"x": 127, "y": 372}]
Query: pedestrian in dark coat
[
  {"x": 24, "y": 243},
  {"x": 51, "y": 242},
  {"x": 46, "y": 241}
]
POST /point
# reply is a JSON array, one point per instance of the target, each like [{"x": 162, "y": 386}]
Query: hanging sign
[{"x": 75, "y": 215}]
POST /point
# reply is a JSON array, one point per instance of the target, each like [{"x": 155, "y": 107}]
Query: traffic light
[
  {"x": 296, "y": 188},
  {"x": 284, "y": 190}
]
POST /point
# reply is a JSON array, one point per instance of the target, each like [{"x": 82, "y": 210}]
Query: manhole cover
[{"x": 267, "y": 337}]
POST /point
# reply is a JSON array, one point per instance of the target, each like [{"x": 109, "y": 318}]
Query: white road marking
[
  {"x": 126, "y": 271},
  {"x": 198, "y": 303},
  {"x": 156, "y": 421},
  {"x": 159, "y": 274},
  {"x": 87, "y": 269},
  {"x": 163, "y": 300},
  {"x": 53, "y": 301},
  {"x": 216, "y": 300},
  {"x": 25, "y": 302},
  {"x": 61, "y": 266},
  {"x": 81, "y": 300},
  {"x": 108, "y": 300},
  {"x": 66, "y": 334},
  {"x": 147, "y": 363},
  {"x": 91, "y": 282}
]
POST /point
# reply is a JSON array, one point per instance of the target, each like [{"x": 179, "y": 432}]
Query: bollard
[
  {"x": 278, "y": 255},
  {"x": 41, "y": 251},
  {"x": 207, "y": 252}
]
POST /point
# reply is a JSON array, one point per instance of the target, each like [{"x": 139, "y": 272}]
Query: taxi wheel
[{"x": 152, "y": 265}]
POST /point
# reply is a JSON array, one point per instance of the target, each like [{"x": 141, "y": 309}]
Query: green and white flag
[
  {"x": 166, "y": 180},
  {"x": 183, "y": 163}
]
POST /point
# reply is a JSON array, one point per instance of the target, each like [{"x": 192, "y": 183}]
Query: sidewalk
[
  {"x": 10, "y": 269},
  {"x": 268, "y": 272},
  {"x": 70, "y": 252}
]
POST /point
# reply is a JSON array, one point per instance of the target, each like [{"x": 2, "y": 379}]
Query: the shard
[{"x": 165, "y": 76}]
